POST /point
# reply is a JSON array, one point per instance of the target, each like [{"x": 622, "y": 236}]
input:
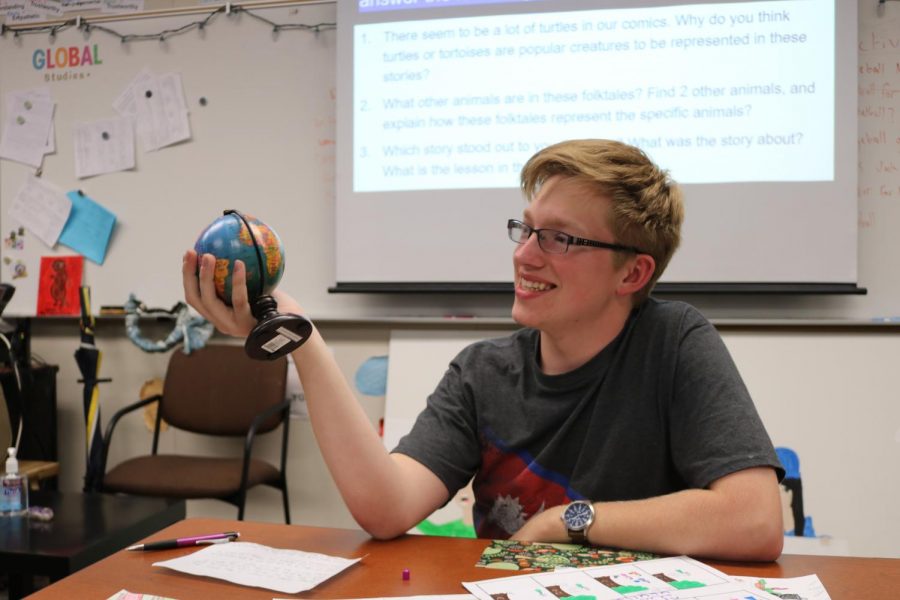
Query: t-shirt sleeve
[
  {"x": 715, "y": 428},
  {"x": 444, "y": 437}
]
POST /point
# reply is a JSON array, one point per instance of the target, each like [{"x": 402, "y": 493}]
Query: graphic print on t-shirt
[{"x": 511, "y": 487}]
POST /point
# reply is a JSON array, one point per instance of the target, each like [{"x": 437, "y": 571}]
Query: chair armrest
[
  {"x": 262, "y": 418},
  {"x": 107, "y": 437}
]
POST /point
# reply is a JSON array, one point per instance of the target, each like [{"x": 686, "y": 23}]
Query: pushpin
[{"x": 405, "y": 574}]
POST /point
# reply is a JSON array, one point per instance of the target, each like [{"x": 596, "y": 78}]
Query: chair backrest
[{"x": 218, "y": 390}]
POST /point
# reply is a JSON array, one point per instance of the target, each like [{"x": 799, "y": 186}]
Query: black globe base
[{"x": 276, "y": 334}]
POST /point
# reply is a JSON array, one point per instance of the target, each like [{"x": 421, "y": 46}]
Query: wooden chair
[{"x": 217, "y": 391}]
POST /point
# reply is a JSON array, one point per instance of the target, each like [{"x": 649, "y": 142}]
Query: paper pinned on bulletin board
[
  {"x": 27, "y": 127},
  {"x": 104, "y": 146},
  {"x": 42, "y": 208},
  {"x": 157, "y": 104}
]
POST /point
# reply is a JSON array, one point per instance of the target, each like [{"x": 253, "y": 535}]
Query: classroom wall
[
  {"x": 270, "y": 123},
  {"x": 828, "y": 393}
]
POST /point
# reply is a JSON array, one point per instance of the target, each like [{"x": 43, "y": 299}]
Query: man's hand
[
  {"x": 200, "y": 292},
  {"x": 546, "y": 526}
]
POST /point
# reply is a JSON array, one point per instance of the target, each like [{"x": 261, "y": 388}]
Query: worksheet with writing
[
  {"x": 255, "y": 565},
  {"x": 675, "y": 578}
]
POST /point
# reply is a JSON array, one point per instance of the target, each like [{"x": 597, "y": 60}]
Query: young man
[{"x": 609, "y": 418}]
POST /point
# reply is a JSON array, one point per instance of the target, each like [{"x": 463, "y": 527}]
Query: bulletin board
[
  {"x": 262, "y": 141},
  {"x": 261, "y": 117}
]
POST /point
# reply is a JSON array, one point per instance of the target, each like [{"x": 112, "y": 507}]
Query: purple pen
[{"x": 194, "y": 540}]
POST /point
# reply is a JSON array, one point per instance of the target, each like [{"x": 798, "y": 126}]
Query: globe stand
[{"x": 276, "y": 334}]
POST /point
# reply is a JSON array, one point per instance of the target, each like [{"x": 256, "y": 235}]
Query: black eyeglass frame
[{"x": 571, "y": 240}]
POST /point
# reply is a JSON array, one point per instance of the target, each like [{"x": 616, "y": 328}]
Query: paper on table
[
  {"x": 104, "y": 146},
  {"x": 674, "y": 578},
  {"x": 126, "y": 595},
  {"x": 42, "y": 208},
  {"x": 429, "y": 597},
  {"x": 255, "y": 565}
]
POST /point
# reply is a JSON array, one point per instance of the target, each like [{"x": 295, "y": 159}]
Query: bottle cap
[{"x": 12, "y": 465}]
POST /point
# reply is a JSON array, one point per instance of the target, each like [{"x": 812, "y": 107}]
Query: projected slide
[{"x": 716, "y": 93}]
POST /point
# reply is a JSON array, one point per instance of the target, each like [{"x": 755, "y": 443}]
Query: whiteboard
[{"x": 264, "y": 144}]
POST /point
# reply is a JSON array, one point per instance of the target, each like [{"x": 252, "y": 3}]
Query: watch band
[{"x": 579, "y": 536}]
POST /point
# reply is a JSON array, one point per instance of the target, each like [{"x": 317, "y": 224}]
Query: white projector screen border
[{"x": 795, "y": 230}]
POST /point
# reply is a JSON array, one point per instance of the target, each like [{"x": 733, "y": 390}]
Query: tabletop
[{"x": 437, "y": 565}]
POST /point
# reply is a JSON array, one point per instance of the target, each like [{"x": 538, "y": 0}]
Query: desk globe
[{"x": 235, "y": 236}]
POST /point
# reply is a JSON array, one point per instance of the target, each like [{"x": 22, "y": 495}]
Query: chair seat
[{"x": 174, "y": 476}]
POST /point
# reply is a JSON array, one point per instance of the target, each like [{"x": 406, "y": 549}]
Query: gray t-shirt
[{"x": 662, "y": 408}]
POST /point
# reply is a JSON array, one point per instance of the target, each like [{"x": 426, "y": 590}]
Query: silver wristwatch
[{"x": 578, "y": 517}]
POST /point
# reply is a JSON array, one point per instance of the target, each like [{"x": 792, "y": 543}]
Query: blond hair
[{"x": 647, "y": 206}]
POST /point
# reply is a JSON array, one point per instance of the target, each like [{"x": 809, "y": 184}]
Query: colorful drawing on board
[
  {"x": 511, "y": 555},
  {"x": 60, "y": 280},
  {"x": 796, "y": 523}
]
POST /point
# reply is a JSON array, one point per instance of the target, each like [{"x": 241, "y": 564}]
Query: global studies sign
[{"x": 66, "y": 62}]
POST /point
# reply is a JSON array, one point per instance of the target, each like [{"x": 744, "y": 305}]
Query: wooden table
[{"x": 437, "y": 566}]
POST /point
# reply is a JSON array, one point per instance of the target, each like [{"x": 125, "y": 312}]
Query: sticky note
[{"x": 89, "y": 228}]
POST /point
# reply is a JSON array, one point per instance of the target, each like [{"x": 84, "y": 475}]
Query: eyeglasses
[{"x": 558, "y": 242}]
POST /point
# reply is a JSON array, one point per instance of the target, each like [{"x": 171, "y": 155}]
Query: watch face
[{"x": 578, "y": 515}]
